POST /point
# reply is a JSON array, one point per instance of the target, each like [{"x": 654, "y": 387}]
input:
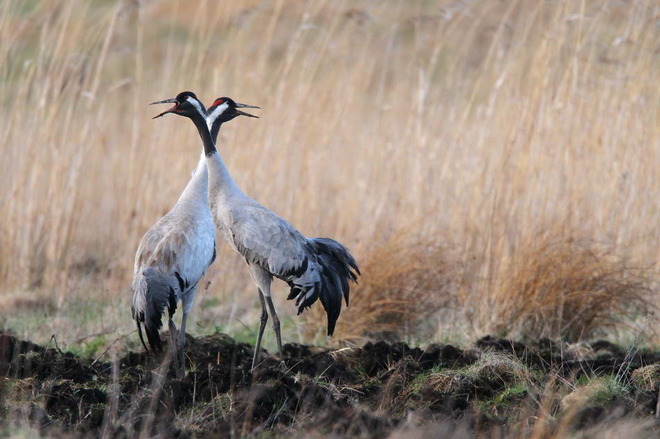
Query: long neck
[
  {"x": 215, "y": 129},
  {"x": 197, "y": 188},
  {"x": 207, "y": 140},
  {"x": 221, "y": 185}
]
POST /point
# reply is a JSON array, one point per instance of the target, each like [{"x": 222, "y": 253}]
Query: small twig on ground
[
  {"x": 105, "y": 351},
  {"x": 54, "y": 339}
]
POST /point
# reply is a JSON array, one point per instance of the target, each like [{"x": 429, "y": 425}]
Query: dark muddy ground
[{"x": 494, "y": 386}]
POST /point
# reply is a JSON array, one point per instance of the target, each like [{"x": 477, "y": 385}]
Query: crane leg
[
  {"x": 186, "y": 303},
  {"x": 173, "y": 332},
  {"x": 175, "y": 350},
  {"x": 182, "y": 332},
  {"x": 276, "y": 324},
  {"x": 262, "y": 325},
  {"x": 181, "y": 346}
]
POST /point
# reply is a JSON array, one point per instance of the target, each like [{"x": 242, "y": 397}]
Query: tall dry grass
[
  {"x": 573, "y": 290},
  {"x": 484, "y": 123},
  {"x": 407, "y": 282}
]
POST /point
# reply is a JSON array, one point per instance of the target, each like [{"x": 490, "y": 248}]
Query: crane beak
[
  {"x": 242, "y": 113},
  {"x": 166, "y": 101}
]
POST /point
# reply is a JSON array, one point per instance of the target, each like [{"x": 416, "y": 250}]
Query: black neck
[
  {"x": 215, "y": 129},
  {"x": 209, "y": 142}
]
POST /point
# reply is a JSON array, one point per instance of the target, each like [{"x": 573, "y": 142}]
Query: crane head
[
  {"x": 185, "y": 104},
  {"x": 223, "y": 110}
]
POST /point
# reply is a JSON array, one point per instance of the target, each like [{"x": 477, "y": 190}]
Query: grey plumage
[
  {"x": 170, "y": 260},
  {"x": 313, "y": 268}
]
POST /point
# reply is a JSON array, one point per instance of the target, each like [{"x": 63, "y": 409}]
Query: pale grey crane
[
  {"x": 312, "y": 267},
  {"x": 171, "y": 259}
]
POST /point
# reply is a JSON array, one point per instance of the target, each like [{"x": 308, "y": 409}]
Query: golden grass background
[{"x": 471, "y": 154}]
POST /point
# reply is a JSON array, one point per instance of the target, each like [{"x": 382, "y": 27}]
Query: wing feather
[
  {"x": 178, "y": 244},
  {"x": 264, "y": 238}
]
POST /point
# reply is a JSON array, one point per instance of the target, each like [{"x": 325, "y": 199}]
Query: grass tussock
[
  {"x": 601, "y": 391},
  {"x": 646, "y": 377},
  {"x": 406, "y": 283},
  {"x": 492, "y": 372},
  {"x": 571, "y": 290}
]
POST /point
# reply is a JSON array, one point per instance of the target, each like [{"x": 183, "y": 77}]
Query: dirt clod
[{"x": 371, "y": 391}]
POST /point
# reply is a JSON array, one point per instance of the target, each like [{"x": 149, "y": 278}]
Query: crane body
[
  {"x": 314, "y": 268},
  {"x": 171, "y": 258}
]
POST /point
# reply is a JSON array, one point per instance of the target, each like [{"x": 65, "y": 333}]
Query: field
[
  {"x": 496, "y": 388},
  {"x": 493, "y": 166}
]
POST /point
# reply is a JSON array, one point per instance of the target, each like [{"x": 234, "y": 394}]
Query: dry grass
[
  {"x": 492, "y": 370},
  {"x": 479, "y": 123},
  {"x": 646, "y": 377},
  {"x": 406, "y": 282},
  {"x": 570, "y": 290}
]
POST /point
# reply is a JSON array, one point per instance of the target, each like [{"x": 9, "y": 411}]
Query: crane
[
  {"x": 312, "y": 267},
  {"x": 170, "y": 260}
]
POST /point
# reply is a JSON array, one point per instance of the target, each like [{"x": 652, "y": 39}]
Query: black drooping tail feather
[
  {"x": 152, "y": 292},
  {"x": 339, "y": 267}
]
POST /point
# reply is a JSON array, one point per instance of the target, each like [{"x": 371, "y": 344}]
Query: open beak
[
  {"x": 166, "y": 101},
  {"x": 242, "y": 113}
]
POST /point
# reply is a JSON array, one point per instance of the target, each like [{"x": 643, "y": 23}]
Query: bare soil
[{"x": 369, "y": 391}]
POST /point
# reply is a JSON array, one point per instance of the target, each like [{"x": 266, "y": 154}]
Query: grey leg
[
  {"x": 262, "y": 325},
  {"x": 182, "y": 333},
  {"x": 186, "y": 305},
  {"x": 173, "y": 332},
  {"x": 182, "y": 346},
  {"x": 276, "y": 324},
  {"x": 174, "y": 348}
]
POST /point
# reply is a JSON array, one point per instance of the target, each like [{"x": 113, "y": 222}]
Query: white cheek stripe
[
  {"x": 215, "y": 114},
  {"x": 198, "y": 107}
]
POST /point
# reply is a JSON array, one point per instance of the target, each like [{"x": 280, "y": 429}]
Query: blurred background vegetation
[{"x": 493, "y": 165}]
